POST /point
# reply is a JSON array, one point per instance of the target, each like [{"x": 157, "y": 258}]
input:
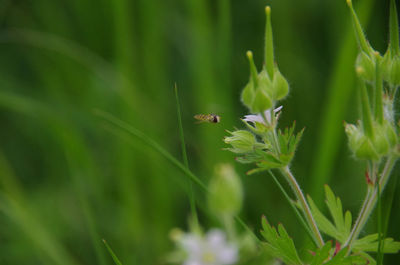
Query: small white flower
[
  {"x": 211, "y": 249},
  {"x": 259, "y": 118}
]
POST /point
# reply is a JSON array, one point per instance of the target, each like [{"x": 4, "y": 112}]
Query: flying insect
[{"x": 210, "y": 118}]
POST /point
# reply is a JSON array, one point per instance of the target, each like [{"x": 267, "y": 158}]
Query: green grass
[{"x": 67, "y": 182}]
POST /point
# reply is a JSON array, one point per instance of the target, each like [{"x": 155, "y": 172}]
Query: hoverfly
[{"x": 211, "y": 118}]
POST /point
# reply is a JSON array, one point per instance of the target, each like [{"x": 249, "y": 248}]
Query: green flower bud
[
  {"x": 381, "y": 141},
  {"x": 368, "y": 65},
  {"x": 257, "y": 93},
  {"x": 360, "y": 144},
  {"x": 248, "y": 94},
  {"x": 280, "y": 86},
  {"x": 391, "y": 70},
  {"x": 265, "y": 83},
  {"x": 391, "y": 134},
  {"x": 372, "y": 148},
  {"x": 241, "y": 141},
  {"x": 262, "y": 101},
  {"x": 366, "y": 150},
  {"x": 226, "y": 192}
]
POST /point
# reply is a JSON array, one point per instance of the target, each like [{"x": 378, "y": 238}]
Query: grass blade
[
  {"x": 184, "y": 155},
  {"x": 114, "y": 257}
]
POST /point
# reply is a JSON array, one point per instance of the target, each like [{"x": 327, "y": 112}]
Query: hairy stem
[
  {"x": 304, "y": 205},
  {"x": 370, "y": 202}
]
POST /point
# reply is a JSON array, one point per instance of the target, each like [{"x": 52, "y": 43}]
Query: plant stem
[
  {"x": 294, "y": 207},
  {"x": 184, "y": 156},
  {"x": 306, "y": 209},
  {"x": 370, "y": 202}
]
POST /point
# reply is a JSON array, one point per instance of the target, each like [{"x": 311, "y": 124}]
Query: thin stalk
[
  {"x": 388, "y": 201},
  {"x": 370, "y": 202},
  {"x": 304, "y": 205},
  {"x": 273, "y": 133},
  {"x": 378, "y": 90},
  {"x": 296, "y": 211},
  {"x": 228, "y": 222},
  {"x": 379, "y": 213},
  {"x": 184, "y": 156}
]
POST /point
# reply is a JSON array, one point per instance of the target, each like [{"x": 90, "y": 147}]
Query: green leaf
[
  {"x": 322, "y": 254},
  {"x": 288, "y": 142},
  {"x": 365, "y": 258},
  {"x": 341, "y": 258},
  {"x": 279, "y": 244},
  {"x": 114, "y": 257},
  {"x": 323, "y": 223},
  {"x": 326, "y": 256},
  {"x": 370, "y": 244},
  {"x": 343, "y": 224}
]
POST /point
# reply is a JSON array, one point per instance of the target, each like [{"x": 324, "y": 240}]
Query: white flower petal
[
  {"x": 228, "y": 255},
  {"x": 211, "y": 249},
  {"x": 253, "y": 118},
  {"x": 192, "y": 244},
  {"x": 259, "y": 118},
  {"x": 278, "y": 109},
  {"x": 193, "y": 262},
  {"x": 215, "y": 238}
]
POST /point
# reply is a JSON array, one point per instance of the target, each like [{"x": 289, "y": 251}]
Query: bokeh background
[{"x": 67, "y": 180}]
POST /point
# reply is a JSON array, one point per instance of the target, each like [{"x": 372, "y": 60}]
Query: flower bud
[
  {"x": 381, "y": 141},
  {"x": 372, "y": 148},
  {"x": 257, "y": 93},
  {"x": 226, "y": 192},
  {"x": 359, "y": 143},
  {"x": 368, "y": 65},
  {"x": 261, "y": 102},
  {"x": 391, "y": 70},
  {"x": 386, "y": 137},
  {"x": 241, "y": 141},
  {"x": 280, "y": 86},
  {"x": 248, "y": 94},
  {"x": 390, "y": 134}
]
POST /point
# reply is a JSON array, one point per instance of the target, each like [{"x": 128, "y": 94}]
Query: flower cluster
[{"x": 262, "y": 143}]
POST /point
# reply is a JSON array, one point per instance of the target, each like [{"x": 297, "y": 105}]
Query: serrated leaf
[
  {"x": 279, "y": 245},
  {"x": 347, "y": 221},
  {"x": 366, "y": 258},
  {"x": 322, "y": 254},
  {"x": 334, "y": 204},
  {"x": 370, "y": 244},
  {"x": 269, "y": 161},
  {"x": 322, "y": 222},
  {"x": 341, "y": 258}
]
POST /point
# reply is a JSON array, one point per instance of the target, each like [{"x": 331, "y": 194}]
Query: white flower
[
  {"x": 259, "y": 118},
  {"x": 211, "y": 249}
]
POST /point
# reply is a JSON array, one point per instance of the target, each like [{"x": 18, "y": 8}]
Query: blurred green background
[{"x": 67, "y": 181}]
